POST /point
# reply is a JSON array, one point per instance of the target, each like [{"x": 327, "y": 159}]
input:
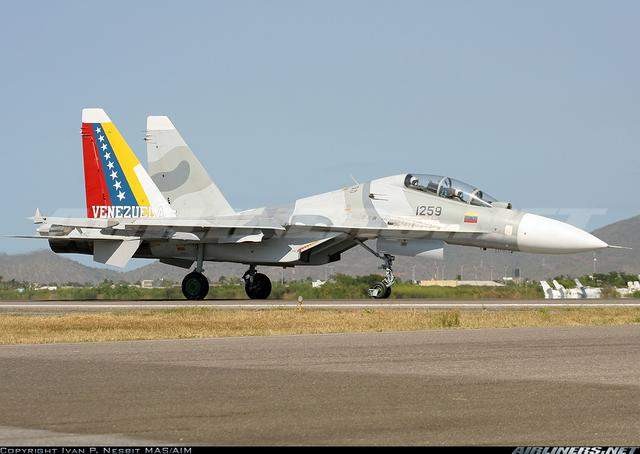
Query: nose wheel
[
  {"x": 256, "y": 285},
  {"x": 195, "y": 286},
  {"x": 382, "y": 289}
]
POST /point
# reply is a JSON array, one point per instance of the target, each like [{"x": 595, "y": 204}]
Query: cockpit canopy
[{"x": 449, "y": 188}]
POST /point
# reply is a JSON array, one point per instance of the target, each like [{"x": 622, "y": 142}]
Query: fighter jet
[
  {"x": 177, "y": 214},
  {"x": 587, "y": 292},
  {"x": 561, "y": 292},
  {"x": 549, "y": 292}
]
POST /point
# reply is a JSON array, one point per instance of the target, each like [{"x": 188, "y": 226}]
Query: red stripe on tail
[{"x": 97, "y": 193}]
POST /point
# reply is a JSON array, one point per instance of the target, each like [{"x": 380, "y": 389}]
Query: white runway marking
[{"x": 292, "y": 305}]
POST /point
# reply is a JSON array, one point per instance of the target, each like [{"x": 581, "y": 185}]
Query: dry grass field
[{"x": 200, "y": 323}]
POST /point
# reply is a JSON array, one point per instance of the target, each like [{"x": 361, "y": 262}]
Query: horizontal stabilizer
[
  {"x": 90, "y": 223},
  {"x": 115, "y": 253}
]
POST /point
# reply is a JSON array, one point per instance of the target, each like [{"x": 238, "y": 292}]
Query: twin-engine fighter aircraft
[{"x": 177, "y": 214}]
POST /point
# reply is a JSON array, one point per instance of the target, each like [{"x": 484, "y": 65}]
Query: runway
[
  {"x": 70, "y": 306},
  {"x": 563, "y": 386}
]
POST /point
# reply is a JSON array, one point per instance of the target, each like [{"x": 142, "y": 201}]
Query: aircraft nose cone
[{"x": 548, "y": 236}]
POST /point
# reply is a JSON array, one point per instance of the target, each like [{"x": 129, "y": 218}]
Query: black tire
[
  {"x": 195, "y": 286},
  {"x": 258, "y": 287},
  {"x": 382, "y": 290}
]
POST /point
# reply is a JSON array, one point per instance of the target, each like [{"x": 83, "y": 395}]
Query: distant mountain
[
  {"x": 45, "y": 267},
  {"x": 536, "y": 266},
  {"x": 472, "y": 263}
]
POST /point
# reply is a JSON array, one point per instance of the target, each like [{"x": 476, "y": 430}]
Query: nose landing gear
[
  {"x": 382, "y": 289},
  {"x": 257, "y": 285}
]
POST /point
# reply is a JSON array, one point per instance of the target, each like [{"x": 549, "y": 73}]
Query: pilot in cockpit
[
  {"x": 450, "y": 192},
  {"x": 456, "y": 194},
  {"x": 477, "y": 193}
]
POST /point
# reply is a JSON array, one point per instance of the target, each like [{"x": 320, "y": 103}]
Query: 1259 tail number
[{"x": 423, "y": 210}]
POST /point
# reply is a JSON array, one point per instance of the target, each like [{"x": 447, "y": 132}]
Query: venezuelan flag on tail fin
[{"x": 117, "y": 185}]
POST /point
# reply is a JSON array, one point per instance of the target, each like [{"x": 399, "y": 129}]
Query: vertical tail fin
[
  {"x": 116, "y": 183},
  {"x": 182, "y": 179},
  {"x": 546, "y": 289}
]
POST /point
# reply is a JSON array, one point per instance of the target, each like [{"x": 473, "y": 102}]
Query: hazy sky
[{"x": 537, "y": 103}]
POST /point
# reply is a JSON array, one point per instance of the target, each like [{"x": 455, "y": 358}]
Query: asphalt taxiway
[
  {"x": 69, "y": 306},
  {"x": 531, "y": 386}
]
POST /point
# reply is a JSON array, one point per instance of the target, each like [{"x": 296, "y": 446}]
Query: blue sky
[{"x": 538, "y": 102}]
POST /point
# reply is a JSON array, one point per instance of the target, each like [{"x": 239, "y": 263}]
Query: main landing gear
[
  {"x": 382, "y": 289},
  {"x": 257, "y": 285},
  {"x": 195, "y": 285}
]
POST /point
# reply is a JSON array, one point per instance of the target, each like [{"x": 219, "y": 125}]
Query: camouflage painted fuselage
[{"x": 317, "y": 229}]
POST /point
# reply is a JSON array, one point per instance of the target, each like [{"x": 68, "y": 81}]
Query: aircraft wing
[
  {"x": 115, "y": 241},
  {"x": 161, "y": 222},
  {"x": 195, "y": 230},
  {"x": 199, "y": 223},
  {"x": 391, "y": 232}
]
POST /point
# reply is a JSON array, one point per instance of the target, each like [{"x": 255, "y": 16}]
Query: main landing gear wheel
[
  {"x": 257, "y": 285},
  {"x": 195, "y": 286}
]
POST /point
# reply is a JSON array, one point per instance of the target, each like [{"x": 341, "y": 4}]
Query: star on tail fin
[{"x": 116, "y": 183}]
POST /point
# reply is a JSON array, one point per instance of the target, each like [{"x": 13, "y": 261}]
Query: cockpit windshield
[{"x": 449, "y": 188}]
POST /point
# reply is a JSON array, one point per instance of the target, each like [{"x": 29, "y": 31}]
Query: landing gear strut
[
  {"x": 195, "y": 285},
  {"x": 257, "y": 285},
  {"x": 382, "y": 289}
]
